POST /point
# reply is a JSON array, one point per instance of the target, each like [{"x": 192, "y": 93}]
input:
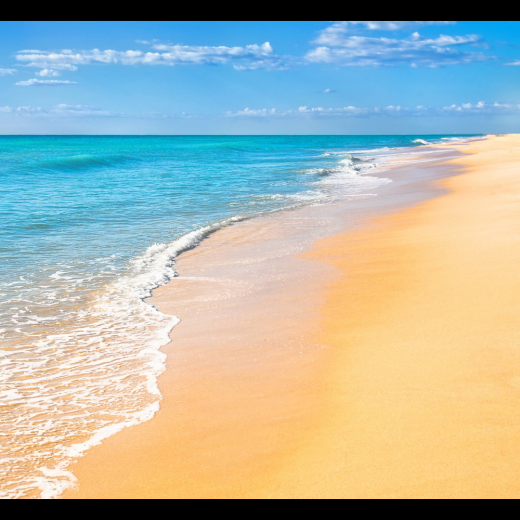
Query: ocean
[{"x": 90, "y": 226}]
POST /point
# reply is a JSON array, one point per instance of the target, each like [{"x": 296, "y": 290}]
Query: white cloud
[
  {"x": 62, "y": 66},
  {"x": 303, "y": 111},
  {"x": 514, "y": 64},
  {"x": 48, "y": 73},
  {"x": 61, "y": 110},
  {"x": 248, "y": 57},
  {"x": 336, "y": 46},
  {"x": 263, "y": 112},
  {"x": 79, "y": 111},
  {"x": 397, "y": 26},
  {"x": 328, "y": 91},
  {"x": 465, "y": 109},
  {"x": 7, "y": 72},
  {"x": 44, "y": 83},
  {"x": 482, "y": 108},
  {"x": 333, "y": 34},
  {"x": 349, "y": 111},
  {"x": 40, "y": 62},
  {"x": 26, "y": 110},
  {"x": 82, "y": 110}
]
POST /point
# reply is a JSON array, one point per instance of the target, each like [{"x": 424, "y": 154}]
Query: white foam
[
  {"x": 96, "y": 375},
  {"x": 54, "y": 482},
  {"x": 350, "y": 177}
]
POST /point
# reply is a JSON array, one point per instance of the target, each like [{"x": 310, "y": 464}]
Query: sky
[{"x": 281, "y": 77}]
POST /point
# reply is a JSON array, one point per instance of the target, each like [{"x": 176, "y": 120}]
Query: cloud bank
[
  {"x": 242, "y": 58},
  {"x": 45, "y": 83},
  {"x": 61, "y": 110},
  {"x": 465, "y": 109},
  {"x": 80, "y": 111},
  {"x": 343, "y": 43},
  {"x": 335, "y": 45},
  {"x": 333, "y": 34}
]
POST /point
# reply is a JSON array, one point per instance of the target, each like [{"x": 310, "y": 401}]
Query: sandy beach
[{"x": 358, "y": 350}]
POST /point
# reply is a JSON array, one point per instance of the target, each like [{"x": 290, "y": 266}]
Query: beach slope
[
  {"x": 424, "y": 390},
  {"x": 415, "y": 395}
]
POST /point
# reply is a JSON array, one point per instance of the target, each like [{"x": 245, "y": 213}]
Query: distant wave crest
[{"x": 80, "y": 162}]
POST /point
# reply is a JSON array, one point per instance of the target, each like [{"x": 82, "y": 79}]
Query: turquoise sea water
[{"x": 90, "y": 226}]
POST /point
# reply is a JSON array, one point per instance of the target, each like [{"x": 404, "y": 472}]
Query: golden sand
[{"x": 416, "y": 395}]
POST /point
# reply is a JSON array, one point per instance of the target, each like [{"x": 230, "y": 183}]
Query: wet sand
[{"x": 381, "y": 361}]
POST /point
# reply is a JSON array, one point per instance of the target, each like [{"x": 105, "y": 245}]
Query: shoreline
[{"x": 201, "y": 362}]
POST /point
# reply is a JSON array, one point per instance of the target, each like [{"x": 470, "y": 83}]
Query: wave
[
  {"x": 351, "y": 152},
  {"x": 80, "y": 162},
  {"x": 420, "y": 141},
  {"x": 348, "y": 177},
  {"x": 156, "y": 266}
]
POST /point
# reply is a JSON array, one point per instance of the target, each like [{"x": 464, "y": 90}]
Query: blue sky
[{"x": 325, "y": 77}]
